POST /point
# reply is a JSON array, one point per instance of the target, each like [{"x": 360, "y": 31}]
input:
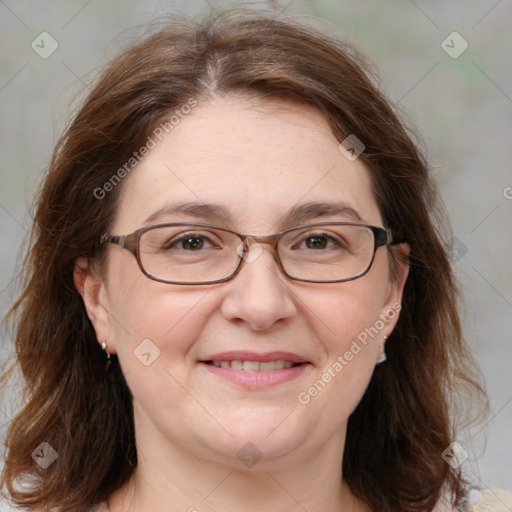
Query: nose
[{"x": 259, "y": 296}]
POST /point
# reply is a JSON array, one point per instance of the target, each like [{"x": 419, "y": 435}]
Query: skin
[{"x": 257, "y": 160}]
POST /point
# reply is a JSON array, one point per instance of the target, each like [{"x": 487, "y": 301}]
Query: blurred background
[{"x": 447, "y": 66}]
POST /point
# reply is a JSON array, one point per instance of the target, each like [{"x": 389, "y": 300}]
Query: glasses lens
[
  {"x": 189, "y": 254},
  {"x": 192, "y": 254},
  {"x": 325, "y": 253}
]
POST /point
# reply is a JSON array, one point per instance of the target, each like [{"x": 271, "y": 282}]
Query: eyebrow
[
  {"x": 308, "y": 211},
  {"x": 298, "y": 214},
  {"x": 198, "y": 210}
]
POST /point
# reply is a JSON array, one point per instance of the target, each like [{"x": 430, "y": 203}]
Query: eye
[
  {"x": 190, "y": 242},
  {"x": 319, "y": 241}
]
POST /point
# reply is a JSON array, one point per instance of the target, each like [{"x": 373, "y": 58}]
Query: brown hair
[{"x": 396, "y": 435}]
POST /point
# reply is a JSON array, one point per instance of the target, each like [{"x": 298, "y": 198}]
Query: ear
[
  {"x": 91, "y": 287},
  {"x": 393, "y": 304}
]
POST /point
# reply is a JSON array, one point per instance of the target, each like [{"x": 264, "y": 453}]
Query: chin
[{"x": 266, "y": 440}]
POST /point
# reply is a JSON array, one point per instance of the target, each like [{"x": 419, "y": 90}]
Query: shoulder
[
  {"x": 102, "y": 507},
  {"x": 4, "y": 507},
  {"x": 490, "y": 500}
]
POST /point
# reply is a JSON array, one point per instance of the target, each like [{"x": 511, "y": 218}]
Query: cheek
[
  {"x": 346, "y": 312},
  {"x": 151, "y": 317},
  {"x": 348, "y": 324},
  {"x": 157, "y": 350}
]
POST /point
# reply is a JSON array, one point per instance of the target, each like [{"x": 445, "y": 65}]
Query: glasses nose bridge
[
  {"x": 264, "y": 239},
  {"x": 248, "y": 240}
]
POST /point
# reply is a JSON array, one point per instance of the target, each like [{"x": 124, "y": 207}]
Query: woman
[{"x": 238, "y": 295}]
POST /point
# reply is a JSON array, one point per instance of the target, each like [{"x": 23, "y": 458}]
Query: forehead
[{"x": 256, "y": 159}]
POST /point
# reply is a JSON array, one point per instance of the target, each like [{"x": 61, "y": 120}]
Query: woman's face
[{"x": 255, "y": 163}]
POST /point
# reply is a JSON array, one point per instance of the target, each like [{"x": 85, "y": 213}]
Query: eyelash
[{"x": 183, "y": 237}]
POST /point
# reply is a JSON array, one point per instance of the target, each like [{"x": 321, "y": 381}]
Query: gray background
[{"x": 462, "y": 106}]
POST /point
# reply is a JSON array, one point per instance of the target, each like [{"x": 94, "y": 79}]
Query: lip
[{"x": 257, "y": 379}]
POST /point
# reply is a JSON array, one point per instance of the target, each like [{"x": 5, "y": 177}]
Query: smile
[
  {"x": 253, "y": 366},
  {"x": 252, "y": 370}
]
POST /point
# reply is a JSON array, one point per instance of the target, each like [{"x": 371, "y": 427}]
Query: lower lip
[{"x": 257, "y": 379}]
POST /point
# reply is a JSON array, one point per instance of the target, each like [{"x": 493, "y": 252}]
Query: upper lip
[{"x": 242, "y": 355}]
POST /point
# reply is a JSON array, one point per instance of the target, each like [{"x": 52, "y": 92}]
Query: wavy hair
[{"x": 406, "y": 418}]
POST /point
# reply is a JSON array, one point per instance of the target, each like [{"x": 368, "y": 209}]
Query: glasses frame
[{"x": 131, "y": 242}]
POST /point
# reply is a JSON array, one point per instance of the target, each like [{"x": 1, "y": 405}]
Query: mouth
[
  {"x": 256, "y": 371},
  {"x": 254, "y": 366}
]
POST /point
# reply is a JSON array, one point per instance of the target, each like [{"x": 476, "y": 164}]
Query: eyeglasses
[{"x": 187, "y": 253}]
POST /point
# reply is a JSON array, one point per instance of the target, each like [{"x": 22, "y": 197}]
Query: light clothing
[
  {"x": 490, "y": 500},
  {"x": 102, "y": 507}
]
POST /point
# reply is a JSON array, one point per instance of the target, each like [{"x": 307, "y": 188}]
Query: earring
[
  {"x": 104, "y": 348},
  {"x": 383, "y": 357}
]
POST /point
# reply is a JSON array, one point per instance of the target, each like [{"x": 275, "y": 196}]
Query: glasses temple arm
[{"x": 113, "y": 239}]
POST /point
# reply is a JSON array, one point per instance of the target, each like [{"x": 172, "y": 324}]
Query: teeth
[
  {"x": 279, "y": 364},
  {"x": 251, "y": 366},
  {"x": 267, "y": 366},
  {"x": 254, "y": 366}
]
